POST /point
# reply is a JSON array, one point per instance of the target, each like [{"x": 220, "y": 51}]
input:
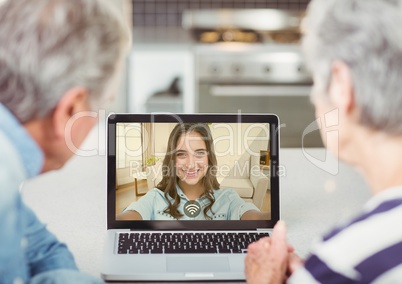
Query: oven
[
  {"x": 263, "y": 79},
  {"x": 250, "y": 61}
]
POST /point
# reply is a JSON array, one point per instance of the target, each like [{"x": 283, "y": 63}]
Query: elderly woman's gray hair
[
  {"x": 367, "y": 36},
  {"x": 50, "y": 46}
]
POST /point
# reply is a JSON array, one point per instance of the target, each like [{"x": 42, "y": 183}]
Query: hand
[
  {"x": 267, "y": 259},
  {"x": 294, "y": 263}
]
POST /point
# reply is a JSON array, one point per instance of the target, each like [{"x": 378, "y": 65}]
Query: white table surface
[{"x": 72, "y": 201}]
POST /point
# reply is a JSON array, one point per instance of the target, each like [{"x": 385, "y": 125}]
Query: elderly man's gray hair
[
  {"x": 367, "y": 36},
  {"x": 50, "y": 46}
]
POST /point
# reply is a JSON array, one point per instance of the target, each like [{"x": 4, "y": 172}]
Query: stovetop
[
  {"x": 243, "y": 25},
  {"x": 230, "y": 35}
]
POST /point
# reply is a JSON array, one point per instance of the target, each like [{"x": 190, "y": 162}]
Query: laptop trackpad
[{"x": 197, "y": 264}]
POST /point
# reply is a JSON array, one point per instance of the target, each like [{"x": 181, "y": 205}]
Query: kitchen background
[
  {"x": 168, "y": 12},
  {"x": 171, "y": 69}
]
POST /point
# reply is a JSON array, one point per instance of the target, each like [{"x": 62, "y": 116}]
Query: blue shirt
[
  {"x": 227, "y": 206},
  {"x": 27, "y": 248}
]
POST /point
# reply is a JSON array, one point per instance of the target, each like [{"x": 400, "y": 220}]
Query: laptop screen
[{"x": 192, "y": 171}]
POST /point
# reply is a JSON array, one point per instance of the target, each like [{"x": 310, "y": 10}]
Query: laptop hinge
[{"x": 264, "y": 229}]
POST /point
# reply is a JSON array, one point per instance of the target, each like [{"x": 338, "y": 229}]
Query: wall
[
  {"x": 168, "y": 12},
  {"x": 119, "y": 104},
  {"x": 128, "y": 152}
]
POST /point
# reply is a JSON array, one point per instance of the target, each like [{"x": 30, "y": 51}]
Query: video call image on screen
[{"x": 192, "y": 171}]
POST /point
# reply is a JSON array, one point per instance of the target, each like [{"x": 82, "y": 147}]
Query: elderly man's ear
[
  {"x": 341, "y": 87},
  {"x": 72, "y": 103}
]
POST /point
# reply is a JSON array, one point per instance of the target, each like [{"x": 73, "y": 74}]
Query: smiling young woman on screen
[{"x": 189, "y": 189}]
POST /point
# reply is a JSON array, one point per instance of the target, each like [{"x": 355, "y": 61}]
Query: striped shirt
[{"x": 368, "y": 249}]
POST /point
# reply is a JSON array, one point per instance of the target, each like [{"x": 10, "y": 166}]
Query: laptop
[{"x": 151, "y": 237}]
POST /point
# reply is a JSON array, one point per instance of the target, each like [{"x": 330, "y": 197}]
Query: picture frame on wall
[{"x": 264, "y": 157}]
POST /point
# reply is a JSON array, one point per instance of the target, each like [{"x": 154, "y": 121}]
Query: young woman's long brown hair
[{"x": 170, "y": 179}]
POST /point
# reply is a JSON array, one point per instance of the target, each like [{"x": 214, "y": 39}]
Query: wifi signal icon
[{"x": 192, "y": 209}]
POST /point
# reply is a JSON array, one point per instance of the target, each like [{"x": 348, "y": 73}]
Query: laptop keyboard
[{"x": 192, "y": 242}]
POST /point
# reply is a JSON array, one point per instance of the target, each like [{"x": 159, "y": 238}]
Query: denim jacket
[{"x": 27, "y": 248}]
